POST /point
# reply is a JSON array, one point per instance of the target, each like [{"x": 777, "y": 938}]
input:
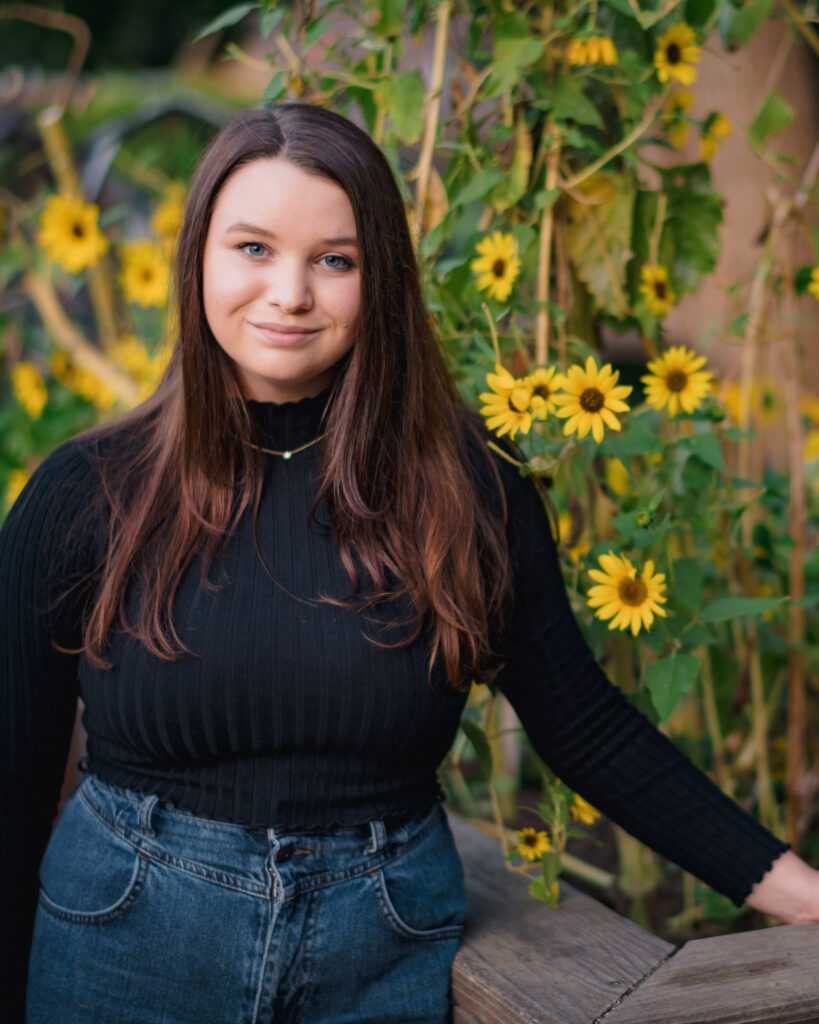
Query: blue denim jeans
[{"x": 148, "y": 914}]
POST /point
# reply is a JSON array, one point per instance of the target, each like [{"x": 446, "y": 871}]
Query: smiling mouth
[{"x": 277, "y": 332}]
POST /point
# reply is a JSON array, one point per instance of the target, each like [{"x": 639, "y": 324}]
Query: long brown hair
[{"x": 395, "y": 463}]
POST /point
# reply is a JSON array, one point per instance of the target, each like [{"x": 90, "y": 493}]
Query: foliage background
[{"x": 491, "y": 126}]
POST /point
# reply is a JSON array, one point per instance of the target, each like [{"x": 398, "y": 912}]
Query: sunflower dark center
[
  {"x": 147, "y": 274},
  {"x": 632, "y": 592},
  {"x": 673, "y": 54},
  {"x": 660, "y": 289},
  {"x": 676, "y": 380},
  {"x": 499, "y": 268},
  {"x": 542, "y": 391},
  {"x": 519, "y": 399},
  {"x": 592, "y": 400},
  {"x": 78, "y": 230},
  {"x": 529, "y": 841}
]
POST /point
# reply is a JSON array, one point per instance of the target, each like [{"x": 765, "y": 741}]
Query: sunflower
[
  {"x": 565, "y": 530},
  {"x": 809, "y": 406},
  {"x": 810, "y": 449},
  {"x": 583, "y": 810},
  {"x": 717, "y": 128},
  {"x": 617, "y": 477},
  {"x": 532, "y": 844},
  {"x": 29, "y": 388},
  {"x": 678, "y": 105},
  {"x": 82, "y": 382},
  {"x": 765, "y": 401},
  {"x": 591, "y": 399},
  {"x": 497, "y": 266},
  {"x": 676, "y": 53},
  {"x": 145, "y": 273},
  {"x": 545, "y": 382},
  {"x": 659, "y": 294},
  {"x": 69, "y": 233},
  {"x": 592, "y": 50},
  {"x": 813, "y": 287},
  {"x": 629, "y": 599},
  {"x": 676, "y": 380},
  {"x": 509, "y": 404},
  {"x": 166, "y": 219}
]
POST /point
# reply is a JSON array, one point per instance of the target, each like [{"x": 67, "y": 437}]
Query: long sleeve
[
  {"x": 38, "y": 691},
  {"x": 596, "y": 741}
]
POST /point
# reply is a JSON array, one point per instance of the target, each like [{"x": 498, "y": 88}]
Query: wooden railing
[{"x": 520, "y": 963}]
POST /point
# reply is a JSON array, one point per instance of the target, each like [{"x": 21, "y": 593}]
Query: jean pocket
[
  {"x": 420, "y": 891},
  {"x": 89, "y": 874}
]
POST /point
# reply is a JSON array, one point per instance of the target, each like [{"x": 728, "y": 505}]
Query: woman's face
[{"x": 281, "y": 278}]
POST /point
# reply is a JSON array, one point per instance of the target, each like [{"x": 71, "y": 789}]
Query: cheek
[
  {"x": 226, "y": 288},
  {"x": 347, "y": 302}
]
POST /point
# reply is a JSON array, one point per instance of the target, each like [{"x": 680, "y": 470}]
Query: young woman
[{"x": 271, "y": 585}]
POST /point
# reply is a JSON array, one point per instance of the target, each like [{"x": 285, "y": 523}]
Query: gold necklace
[{"x": 288, "y": 454}]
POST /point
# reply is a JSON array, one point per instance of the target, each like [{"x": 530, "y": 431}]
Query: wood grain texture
[
  {"x": 521, "y": 963},
  {"x": 770, "y": 975}
]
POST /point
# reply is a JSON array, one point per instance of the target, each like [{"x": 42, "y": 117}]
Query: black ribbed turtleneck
[
  {"x": 284, "y": 426},
  {"x": 284, "y": 714}
]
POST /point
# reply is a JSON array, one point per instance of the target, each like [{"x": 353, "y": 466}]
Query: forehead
[{"x": 279, "y": 196}]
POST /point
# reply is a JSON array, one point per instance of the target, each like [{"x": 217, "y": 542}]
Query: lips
[{"x": 283, "y": 334}]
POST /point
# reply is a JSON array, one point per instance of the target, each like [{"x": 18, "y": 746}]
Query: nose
[{"x": 289, "y": 286}]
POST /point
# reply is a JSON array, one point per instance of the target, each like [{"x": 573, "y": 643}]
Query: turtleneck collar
[{"x": 284, "y": 425}]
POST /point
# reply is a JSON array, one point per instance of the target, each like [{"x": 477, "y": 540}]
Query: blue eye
[
  {"x": 345, "y": 263},
  {"x": 252, "y": 248}
]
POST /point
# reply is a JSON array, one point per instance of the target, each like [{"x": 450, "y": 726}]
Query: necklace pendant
[{"x": 287, "y": 455}]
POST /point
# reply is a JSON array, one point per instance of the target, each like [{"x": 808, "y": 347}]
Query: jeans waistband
[{"x": 240, "y": 853}]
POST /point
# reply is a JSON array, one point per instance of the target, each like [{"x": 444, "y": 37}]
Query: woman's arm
[
  {"x": 789, "y": 891},
  {"x": 599, "y": 744},
  {"x": 38, "y": 689}
]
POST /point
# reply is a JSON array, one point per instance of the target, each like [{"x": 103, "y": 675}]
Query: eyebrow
[{"x": 244, "y": 227}]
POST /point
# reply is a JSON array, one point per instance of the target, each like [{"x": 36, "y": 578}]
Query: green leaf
[
  {"x": 726, "y": 608},
  {"x": 515, "y": 49},
  {"x": 479, "y": 187},
  {"x": 269, "y": 20},
  {"x": 598, "y": 236},
  {"x": 637, "y": 437},
  {"x": 698, "y": 12},
  {"x": 622, "y": 7},
  {"x": 227, "y": 18},
  {"x": 569, "y": 103},
  {"x": 707, "y": 448},
  {"x": 802, "y": 278},
  {"x": 477, "y": 737},
  {"x": 775, "y": 116},
  {"x": 691, "y": 232},
  {"x": 697, "y": 636},
  {"x": 275, "y": 89},
  {"x": 738, "y": 24},
  {"x": 545, "y": 198},
  {"x": 669, "y": 679},
  {"x": 391, "y": 17},
  {"x": 688, "y": 578},
  {"x": 404, "y": 97}
]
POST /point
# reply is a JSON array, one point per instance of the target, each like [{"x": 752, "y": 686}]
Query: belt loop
[
  {"x": 145, "y": 810},
  {"x": 378, "y": 837}
]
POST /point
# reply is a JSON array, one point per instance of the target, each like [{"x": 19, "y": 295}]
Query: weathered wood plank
[
  {"x": 770, "y": 975},
  {"x": 520, "y": 963}
]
